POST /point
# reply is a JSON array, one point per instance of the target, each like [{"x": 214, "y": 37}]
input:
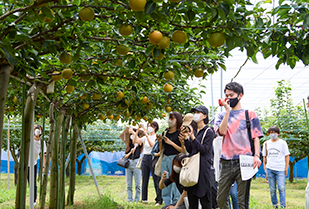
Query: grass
[{"x": 113, "y": 190}]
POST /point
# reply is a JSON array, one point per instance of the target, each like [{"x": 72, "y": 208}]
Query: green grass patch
[{"x": 114, "y": 195}]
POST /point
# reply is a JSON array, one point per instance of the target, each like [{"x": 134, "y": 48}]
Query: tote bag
[
  {"x": 190, "y": 170},
  {"x": 159, "y": 162},
  {"x": 139, "y": 162}
]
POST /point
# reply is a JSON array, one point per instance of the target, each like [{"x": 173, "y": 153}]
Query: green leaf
[
  {"x": 266, "y": 53},
  {"x": 253, "y": 58},
  {"x": 221, "y": 12},
  {"x": 190, "y": 14},
  {"x": 149, "y": 49},
  {"x": 222, "y": 66},
  {"x": 166, "y": 12},
  {"x": 259, "y": 23},
  {"x": 48, "y": 13},
  {"x": 9, "y": 57},
  {"x": 292, "y": 63},
  {"x": 226, "y": 8},
  {"x": 90, "y": 83},
  {"x": 72, "y": 82},
  {"x": 306, "y": 21},
  {"x": 100, "y": 80},
  {"x": 250, "y": 51},
  {"x": 150, "y": 7},
  {"x": 131, "y": 64},
  {"x": 280, "y": 61},
  {"x": 76, "y": 57},
  {"x": 156, "y": 52}
]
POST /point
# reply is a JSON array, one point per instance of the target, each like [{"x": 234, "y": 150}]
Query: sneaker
[
  {"x": 34, "y": 204},
  {"x": 157, "y": 204},
  {"x": 145, "y": 201}
]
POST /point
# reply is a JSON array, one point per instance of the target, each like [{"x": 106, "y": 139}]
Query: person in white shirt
[
  {"x": 37, "y": 150},
  {"x": 276, "y": 158},
  {"x": 148, "y": 142}
]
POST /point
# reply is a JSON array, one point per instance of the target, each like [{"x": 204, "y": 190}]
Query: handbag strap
[{"x": 204, "y": 135}]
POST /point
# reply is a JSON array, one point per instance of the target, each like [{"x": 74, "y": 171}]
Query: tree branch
[{"x": 45, "y": 32}]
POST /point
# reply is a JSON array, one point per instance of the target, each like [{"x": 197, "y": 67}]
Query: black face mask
[{"x": 233, "y": 102}]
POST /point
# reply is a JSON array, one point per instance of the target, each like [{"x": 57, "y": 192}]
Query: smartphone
[
  {"x": 220, "y": 103},
  {"x": 187, "y": 129},
  {"x": 160, "y": 136}
]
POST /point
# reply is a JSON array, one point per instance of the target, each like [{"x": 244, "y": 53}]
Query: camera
[{"x": 187, "y": 129}]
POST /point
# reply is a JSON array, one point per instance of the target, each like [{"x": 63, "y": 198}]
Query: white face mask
[
  {"x": 132, "y": 137},
  {"x": 37, "y": 132},
  {"x": 176, "y": 169},
  {"x": 273, "y": 136},
  {"x": 150, "y": 129},
  {"x": 197, "y": 117},
  {"x": 171, "y": 123}
]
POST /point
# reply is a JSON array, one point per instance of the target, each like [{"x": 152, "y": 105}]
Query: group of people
[{"x": 162, "y": 156}]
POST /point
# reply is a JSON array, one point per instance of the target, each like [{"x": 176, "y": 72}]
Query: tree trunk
[
  {"x": 15, "y": 164},
  {"x": 48, "y": 154},
  {"x": 291, "y": 174},
  {"x": 25, "y": 145},
  {"x": 307, "y": 193},
  {"x": 61, "y": 190},
  {"x": 70, "y": 198},
  {"x": 42, "y": 153},
  {"x": 53, "y": 197},
  {"x": 79, "y": 165},
  {"x": 4, "y": 83}
]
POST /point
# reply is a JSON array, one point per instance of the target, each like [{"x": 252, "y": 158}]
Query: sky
[{"x": 259, "y": 80}]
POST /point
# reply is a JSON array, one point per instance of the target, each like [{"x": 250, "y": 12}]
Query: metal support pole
[
  {"x": 31, "y": 156},
  {"x": 22, "y": 153},
  {"x": 88, "y": 160},
  {"x": 212, "y": 98},
  {"x": 8, "y": 152},
  {"x": 221, "y": 94},
  {"x": 68, "y": 161},
  {"x": 296, "y": 172}
]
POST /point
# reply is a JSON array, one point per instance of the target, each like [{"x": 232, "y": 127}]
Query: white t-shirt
[
  {"x": 37, "y": 150},
  {"x": 217, "y": 147},
  {"x": 147, "y": 148},
  {"x": 276, "y": 152}
]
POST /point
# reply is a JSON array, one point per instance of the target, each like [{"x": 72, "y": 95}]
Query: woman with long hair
[
  {"x": 171, "y": 146},
  {"x": 133, "y": 152},
  {"x": 148, "y": 142}
]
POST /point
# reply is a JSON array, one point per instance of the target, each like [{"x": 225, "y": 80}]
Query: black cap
[{"x": 201, "y": 109}]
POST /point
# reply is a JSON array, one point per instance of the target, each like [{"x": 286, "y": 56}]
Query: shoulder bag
[
  {"x": 123, "y": 162},
  {"x": 159, "y": 162},
  {"x": 190, "y": 170}
]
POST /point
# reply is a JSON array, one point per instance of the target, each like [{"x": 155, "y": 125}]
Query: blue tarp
[{"x": 105, "y": 163}]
